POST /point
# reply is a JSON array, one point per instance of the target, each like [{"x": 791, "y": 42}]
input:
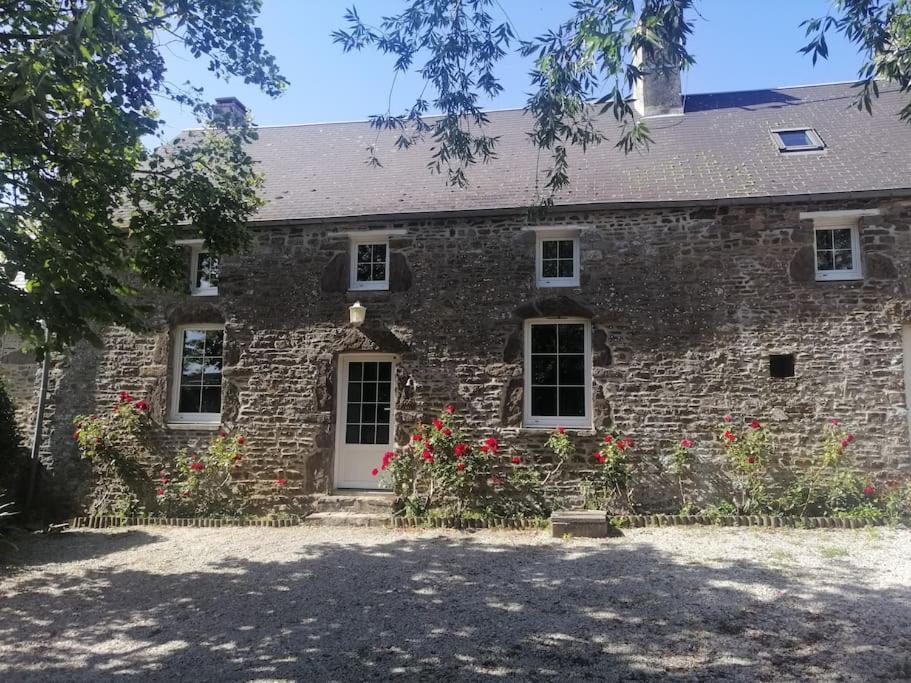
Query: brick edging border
[
  {"x": 745, "y": 520},
  {"x": 108, "y": 521}
]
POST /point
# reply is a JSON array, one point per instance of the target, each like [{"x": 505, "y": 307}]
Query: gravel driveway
[{"x": 318, "y": 604}]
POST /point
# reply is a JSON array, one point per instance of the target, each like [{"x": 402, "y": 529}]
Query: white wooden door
[{"x": 365, "y": 419}]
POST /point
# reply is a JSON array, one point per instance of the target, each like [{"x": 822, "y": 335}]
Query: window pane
[
  {"x": 572, "y": 402},
  {"x": 572, "y": 338},
  {"x": 368, "y": 434},
  {"x": 189, "y": 400},
  {"x": 212, "y": 372},
  {"x": 191, "y": 372},
  {"x": 795, "y": 138},
  {"x": 566, "y": 268},
  {"x": 549, "y": 268},
  {"x": 544, "y": 370},
  {"x": 543, "y": 338},
  {"x": 823, "y": 239},
  {"x": 354, "y": 392},
  {"x": 382, "y": 434},
  {"x": 379, "y": 272},
  {"x": 383, "y": 392},
  {"x": 382, "y": 414},
  {"x": 549, "y": 249},
  {"x": 363, "y": 272},
  {"x": 206, "y": 270},
  {"x": 370, "y": 372},
  {"x": 368, "y": 413},
  {"x": 566, "y": 249},
  {"x": 211, "y": 400},
  {"x": 824, "y": 260},
  {"x": 543, "y": 401},
  {"x": 842, "y": 238},
  {"x": 385, "y": 371},
  {"x": 194, "y": 342},
  {"x": 572, "y": 370},
  {"x": 379, "y": 253},
  {"x": 353, "y": 413},
  {"x": 355, "y": 370},
  {"x": 352, "y": 434},
  {"x": 364, "y": 253},
  {"x": 369, "y": 393},
  {"x": 214, "y": 342},
  {"x": 844, "y": 260}
]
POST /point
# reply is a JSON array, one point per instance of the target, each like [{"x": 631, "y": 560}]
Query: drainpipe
[{"x": 39, "y": 417}]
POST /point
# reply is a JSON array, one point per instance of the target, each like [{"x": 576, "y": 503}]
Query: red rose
[
  {"x": 197, "y": 467},
  {"x": 459, "y": 450},
  {"x": 447, "y": 431},
  {"x": 561, "y": 430},
  {"x": 869, "y": 490},
  {"x": 141, "y": 405},
  {"x": 241, "y": 440},
  {"x": 728, "y": 418},
  {"x": 221, "y": 435},
  {"x": 375, "y": 472},
  {"x": 437, "y": 424},
  {"x": 599, "y": 457},
  {"x": 686, "y": 443},
  {"x": 755, "y": 424},
  {"x": 845, "y": 443},
  {"x": 417, "y": 437},
  {"x": 460, "y": 466},
  {"x": 834, "y": 422},
  {"x": 729, "y": 436},
  {"x": 751, "y": 459},
  {"x": 516, "y": 460},
  {"x": 280, "y": 482},
  {"x": 159, "y": 492},
  {"x": 484, "y": 449},
  {"x": 449, "y": 409},
  {"x": 609, "y": 438},
  {"x": 628, "y": 442},
  {"x": 849, "y": 438},
  {"x": 492, "y": 444}
]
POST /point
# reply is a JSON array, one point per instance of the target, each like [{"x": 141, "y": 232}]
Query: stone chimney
[
  {"x": 656, "y": 95},
  {"x": 229, "y": 108}
]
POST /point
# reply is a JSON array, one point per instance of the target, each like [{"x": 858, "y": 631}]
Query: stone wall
[
  {"x": 19, "y": 371},
  {"x": 686, "y": 306}
]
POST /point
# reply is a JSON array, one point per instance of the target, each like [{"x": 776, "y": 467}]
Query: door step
[
  {"x": 356, "y": 502},
  {"x": 353, "y": 519}
]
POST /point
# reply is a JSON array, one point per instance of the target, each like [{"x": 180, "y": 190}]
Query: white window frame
[
  {"x": 839, "y": 220},
  {"x": 175, "y": 417},
  {"x": 542, "y": 236},
  {"x": 374, "y": 285},
  {"x": 197, "y": 247},
  {"x": 549, "y": 422},
  {"x": 816, "y": 142}
]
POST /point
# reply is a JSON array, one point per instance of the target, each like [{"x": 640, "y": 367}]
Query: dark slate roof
[{"x": 720, "y": 150}]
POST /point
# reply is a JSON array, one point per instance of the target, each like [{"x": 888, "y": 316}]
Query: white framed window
[
  {"x": 558, "y": 375},
  {"x": 196, "y": 391},
  {"x": 797, "y": 140},
  {"x": 837, "y": 251},
  {"x": 369, "y": 264},
  {"x": 204, "y": 268},
  {"x": 557, "y": 258}
]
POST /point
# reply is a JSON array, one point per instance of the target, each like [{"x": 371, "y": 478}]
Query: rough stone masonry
[{"x": 686, "y": 306}]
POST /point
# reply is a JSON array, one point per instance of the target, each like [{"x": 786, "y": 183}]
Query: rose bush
[
  {"x": 611, "y": 485},
  {"x": 747, "y": 450}
]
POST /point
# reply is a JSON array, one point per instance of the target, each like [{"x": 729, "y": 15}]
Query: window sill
[
  {"x": 557, "y": 284},
  {"x": 854, "y": 277},
  {"x": 193, "y": 426},
  {"x": 204, "y": 292}
]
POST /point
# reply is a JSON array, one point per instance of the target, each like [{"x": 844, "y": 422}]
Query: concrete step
[
  {"x": 358, "y": 519},
  {"x": 379, "y": 503}
]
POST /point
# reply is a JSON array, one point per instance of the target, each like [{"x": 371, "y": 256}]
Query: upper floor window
[
  {"x": 203, "y": 272},
  {"x": 370, "y": 264},
  {"x": 558, "y": 373},
  {"x": 198, "y": 362},
  {"x": 836, "y": 243},
  {"x": 557, "y": 258},
  {"x": 798, "y": 140}
]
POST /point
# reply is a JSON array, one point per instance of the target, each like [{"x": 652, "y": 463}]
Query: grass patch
[{"x": 832, "y": 552}]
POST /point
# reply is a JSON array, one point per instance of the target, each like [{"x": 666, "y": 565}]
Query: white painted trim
[
  {"x": 354, "y": 285},
  {"x": 557, "y": 234},
  {"x": 190, "y": 426},
  {"x": 842, "y": 214},
  {"x": 857, "y": 272},
  {"x": 532, "y": 422},
  {"x": 192, "y": 419},
  {"x": 555, "y": 228},
  {"x": 368, "y": 235},
  {"x": 195, "y": 242},
  {"x": 341, "y": 408}
]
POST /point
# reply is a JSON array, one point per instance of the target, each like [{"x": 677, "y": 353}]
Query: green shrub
[
  {"x": 748, "y": 450},
  {"x": 13, "y": 460}
]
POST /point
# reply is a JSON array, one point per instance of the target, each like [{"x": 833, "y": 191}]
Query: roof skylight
[{"x": 797, "y": 140}]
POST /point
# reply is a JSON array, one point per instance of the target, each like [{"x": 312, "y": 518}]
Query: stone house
[{"x": 756, "y": 261}]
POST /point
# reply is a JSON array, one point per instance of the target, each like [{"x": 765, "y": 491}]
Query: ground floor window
[
  {"x": 198, "y": 364},
  {"x": 368, "y": 398},
  {"x": 558, "y": 373}
]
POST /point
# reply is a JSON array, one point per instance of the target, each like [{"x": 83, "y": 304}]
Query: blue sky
[{"x": 738, "y": 44}]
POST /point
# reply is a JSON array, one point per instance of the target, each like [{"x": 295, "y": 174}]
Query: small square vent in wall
[{"x": 781, "y": 365}]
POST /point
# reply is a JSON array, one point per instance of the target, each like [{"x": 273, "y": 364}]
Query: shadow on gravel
[
  {"x": 74, "y": 546},
  {"x": 444, "y": 608}
]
